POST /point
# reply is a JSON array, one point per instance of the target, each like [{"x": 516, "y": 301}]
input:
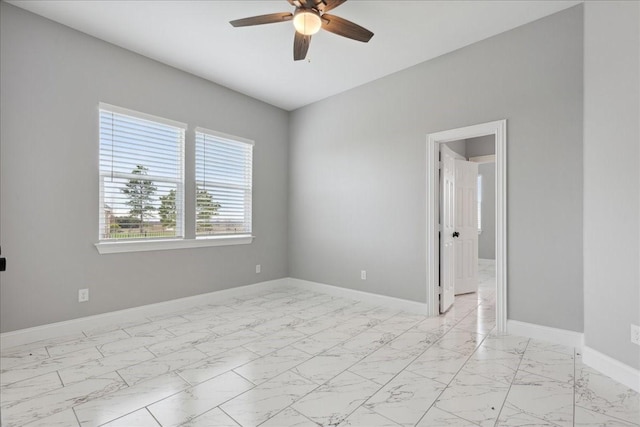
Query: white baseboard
[
  {"x": 612, "y": 368},
  {"x": 391, "y": 302},
  {"x": 545, "y": 333},
  {"x": 73, "y": 326},
  {"x": 68, "y": 327}
]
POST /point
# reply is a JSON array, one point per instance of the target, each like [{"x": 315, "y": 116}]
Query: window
[
  {"x": 142, "y": 185},
  {"x": 479, "y": 203},
  {"x": 141, "y": 176},
  {"x": 223, "y": 184}
]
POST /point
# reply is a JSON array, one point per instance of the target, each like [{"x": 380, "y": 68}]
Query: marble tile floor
[{"x": 298, "y": 358}]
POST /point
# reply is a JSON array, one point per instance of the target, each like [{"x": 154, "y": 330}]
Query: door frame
[{"x": 499, "y": 130}]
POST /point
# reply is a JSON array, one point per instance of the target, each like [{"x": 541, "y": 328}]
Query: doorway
[{"x": 498, "y": 130}]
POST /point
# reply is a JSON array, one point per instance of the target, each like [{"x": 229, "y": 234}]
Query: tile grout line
[
  {"x": 76, "y": 415},
  {"x": 455, "y": 415},
  {"x": 451, "y": 380},
  {"x": 125, "y": 381},
  {"x": 60, "y": 378},
  {"x": 281, "y": 411},
  {"x": 244, "y": 378},
  {"x": 301, "y": 414},
  {"x": 152, "y": 416},
  {"x": 512, "y": 380},
  {"x": 377, "y": 413},
  {"x": 224, "y": 412}
]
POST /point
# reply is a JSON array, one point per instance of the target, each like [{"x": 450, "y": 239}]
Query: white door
[
  {"x": 447, "y": 227},
  {"x": 466, "y": 227}
]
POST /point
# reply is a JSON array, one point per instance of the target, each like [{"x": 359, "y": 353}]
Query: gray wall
[
  {"x": 612, "y": 178},
  {"x": 52, "y": 80},
  {"x": 357, "y": 169},
  {"x": 480, "y": 146},
  {"x": 487, "y": 239},
  {"x": 459, "y": 146}
]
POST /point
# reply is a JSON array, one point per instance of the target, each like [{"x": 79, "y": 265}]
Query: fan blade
[
  {"x": 300, "y": 46},
  {"x": 344, "y": 28},
  {"x": 262, "y": 19},
  {"x": 330, "y": 4}
]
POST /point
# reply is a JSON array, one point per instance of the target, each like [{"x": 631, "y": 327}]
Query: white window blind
[
  {"x": 223, "y": 184},
  {"x": 141, "y": 176},
  {"x": 479, "y": 203}
]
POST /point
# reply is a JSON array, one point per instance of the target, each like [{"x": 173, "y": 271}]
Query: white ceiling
[{"x": 195, "y": 36}]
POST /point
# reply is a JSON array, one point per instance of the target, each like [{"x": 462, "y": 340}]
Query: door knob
[{"x": 456, "y": 234}]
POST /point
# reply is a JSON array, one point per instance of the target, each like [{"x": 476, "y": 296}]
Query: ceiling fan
[{"x": 308, "y": 18}]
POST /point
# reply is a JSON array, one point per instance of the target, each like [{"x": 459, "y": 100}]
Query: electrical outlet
[
  {"x": 83, "y": 295},
  {"x": 363, "y": 274},
  {"x": 258, "y": 268},
  {"x": 635, "y": 334}
]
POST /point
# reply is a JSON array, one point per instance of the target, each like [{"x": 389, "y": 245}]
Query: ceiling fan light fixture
[{"x": 307, "y": 22}]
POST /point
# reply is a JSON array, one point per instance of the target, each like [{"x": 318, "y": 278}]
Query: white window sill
[{"x": 168, "y": 244}]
